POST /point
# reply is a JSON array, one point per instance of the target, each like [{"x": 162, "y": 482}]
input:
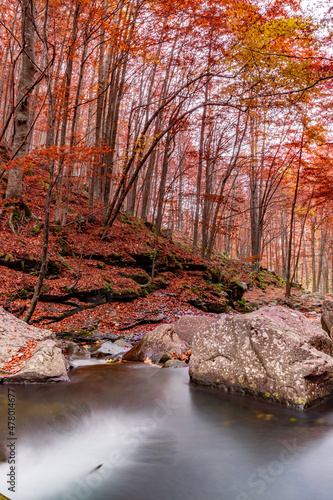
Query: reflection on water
[{"x": 138, "y": 432}]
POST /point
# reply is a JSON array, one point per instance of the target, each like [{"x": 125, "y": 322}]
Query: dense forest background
[{"x": 211, "y": 118}]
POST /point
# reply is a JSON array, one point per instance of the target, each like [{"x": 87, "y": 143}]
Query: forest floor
[{"x": 98, "y": 288}]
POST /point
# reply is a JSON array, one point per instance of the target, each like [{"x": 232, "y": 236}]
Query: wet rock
[
  {"x": 175, "y": 363},
  {"x": 157, "y": 345},
  {"x": 108, "y": 349},
  {"x": 274, "y": 353},
  {"x": 121, "y": 343},
  {"x": 47, "y": 362},
  {"x": 133, "y": 338},
  {"x": 187, "y": 326},
  {"x": 72, "y": 349},
  {"x": 99, "y": 335},
  {"x": 327, "y": 315}
]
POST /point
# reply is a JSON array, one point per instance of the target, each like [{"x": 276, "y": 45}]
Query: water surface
[{"x": 138, "y": 432}]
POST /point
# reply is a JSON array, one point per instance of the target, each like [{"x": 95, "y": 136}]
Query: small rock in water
[
  {"x": 175, "y": 363},
  {"x": 108, "y": 349},
  {"x": 122, "y": 343}
]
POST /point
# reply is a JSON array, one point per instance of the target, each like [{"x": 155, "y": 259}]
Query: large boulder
[
  {"x": 28, "y": 354},
  {"x": 327, "y": 315},
  {"x": 310, "y": 332},
  {"x": 187, "y": 326},
  {"x": 157, "y": 345},
  {"x": 274, "y": 352}
]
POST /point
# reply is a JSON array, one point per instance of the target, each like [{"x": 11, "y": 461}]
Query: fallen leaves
[
  {"x": 15, "y": 363},
  {"x": 182, "y": 357}
]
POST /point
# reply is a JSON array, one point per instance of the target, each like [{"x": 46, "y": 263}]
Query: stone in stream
[
  {"x": 327, "y": 315},
  {"x": 122, "y": 343},
  {"x": 157, "y": 345},
  {"x": 108, "y": 349},
  {"x": 175, "y": 363},
  {"x": 274, "y": 353},
  {"x": 47, "y": 363}
]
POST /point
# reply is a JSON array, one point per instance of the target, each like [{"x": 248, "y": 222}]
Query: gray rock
[
  {"x": 318, "y": 296},
  {"x": 99, "y": 335},
  {"x": 247, "y": 307},
  {"x": 327, "y": 315},
  {"x": 122, "y": 343},
  {"x": 47, "y": 363},
  {"x": 157, "y": 345},
  {"x": 310, "y": 332},
  {"x": 274, "y": 353},
  {"x": 72, "y": 349},
  {"x": 187, "y": 326},
  {"x": 108, "y": 349},
  {"x": 175, "y": 363}
]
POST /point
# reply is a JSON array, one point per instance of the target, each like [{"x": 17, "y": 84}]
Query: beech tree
[{"x": 22, "y": 111}]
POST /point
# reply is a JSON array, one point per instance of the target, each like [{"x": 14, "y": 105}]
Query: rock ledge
[{"x": 27, "y": 353}]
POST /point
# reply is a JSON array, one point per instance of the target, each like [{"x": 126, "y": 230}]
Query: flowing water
[{"x": 138, "y": 432}]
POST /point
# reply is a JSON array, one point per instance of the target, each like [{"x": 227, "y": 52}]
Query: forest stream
[{"x": 137, "y": 432}]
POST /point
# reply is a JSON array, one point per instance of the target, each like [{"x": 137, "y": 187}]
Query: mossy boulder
[{"x": 274, "y": 353}]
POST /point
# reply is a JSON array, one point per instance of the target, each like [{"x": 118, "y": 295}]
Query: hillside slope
[{"x": 104, "y": 287}]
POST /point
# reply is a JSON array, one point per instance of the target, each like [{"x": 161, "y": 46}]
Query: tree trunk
[{"x": 22, "y": 112}]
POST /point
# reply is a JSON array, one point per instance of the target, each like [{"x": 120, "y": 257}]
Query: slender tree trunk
[
  {"x": 46, "y": 229},
  {"x": 22, "y": 112},
  {"x": 291, "y": 233}
]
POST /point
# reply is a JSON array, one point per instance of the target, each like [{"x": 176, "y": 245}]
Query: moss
[
  {"x": 65, "y": 248},
  {"x": 23, "y": 293},
  {"x": 64, "y": 263},
  {"x": 216, "y": 274},
  {"x": 127, "y": 291},
  {"x": 35, "y": 230},
  {"x": 56, "y": 230},
  {"x": 241, "y": 302}
]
